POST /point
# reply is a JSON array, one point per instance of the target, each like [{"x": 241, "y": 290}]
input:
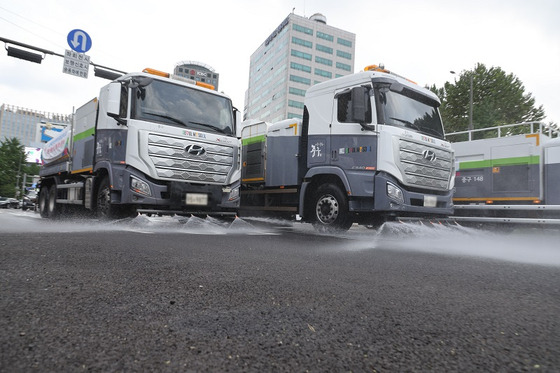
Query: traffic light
[
  {"x": 106, "y": 74},
  {"x": 24, "y": 55}
]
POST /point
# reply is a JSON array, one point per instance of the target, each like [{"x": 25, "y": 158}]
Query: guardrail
[{"x": 503, "y": 131}]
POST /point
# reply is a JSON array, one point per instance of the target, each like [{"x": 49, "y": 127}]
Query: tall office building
[
  {"x": 31, "y": 127},
  {"x": 197, "y": 71},
  {"x": 299, "y": 53}
]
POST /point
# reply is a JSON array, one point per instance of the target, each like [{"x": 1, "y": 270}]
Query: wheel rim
[
  {"x": 327, "y": 209},
  {"x": 43, "y": 202},
  {"x": 103, "y": 202},
  {"x": 52, "y": 200}
]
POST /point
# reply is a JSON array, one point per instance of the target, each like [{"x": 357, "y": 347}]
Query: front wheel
[
  {"x": 108, "y": 210},
  {"x": 330, "y": 209}
]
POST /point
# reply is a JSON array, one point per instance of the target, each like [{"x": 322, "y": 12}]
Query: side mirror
[
  {"x": 359, "y": 97},
  {"x": 114, "y": 100}
]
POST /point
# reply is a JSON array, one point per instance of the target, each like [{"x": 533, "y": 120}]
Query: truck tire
[
  {"x": 105, "y": 209},
  {"x": 52, "y": 208},
  {"x": 330, "y": 209},
  {"x": 43, "y": 202}
]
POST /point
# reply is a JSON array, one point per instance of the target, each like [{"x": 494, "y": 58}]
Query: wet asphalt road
[{"x": 132, "y": 300}]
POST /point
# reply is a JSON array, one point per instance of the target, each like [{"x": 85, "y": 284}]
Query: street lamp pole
[
  {"x": 470, "y": 99},
  {"x": 471, "y": 102}
]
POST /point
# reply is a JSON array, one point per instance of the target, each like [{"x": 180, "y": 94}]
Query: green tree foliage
[
  {"x": 498, "y": 98},
  {"x": 12, "y": 163}
]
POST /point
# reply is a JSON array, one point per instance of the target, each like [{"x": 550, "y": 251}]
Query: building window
[
  {"x": 297, "y": 91},
  {"x": 299, "y": 79},
  {"x": 292, "y": 116},
  {"x": 346, "y": 43},
  {"x": 324, "y": 36},
  {"x": 305, "y": 43},
  {"x": 343, "y": 66},
  {"x": 326, "y": 74},
  {"x": 324, "y": 61},
  {"x": 296, "y": 104},
  {"x": 305, "y": 56},
  {"x": 298, "y": 66},
  {"x": 323, "y": 48},
  {"x": 305, "y": 30},
  {"x": 344, "y": 54}
]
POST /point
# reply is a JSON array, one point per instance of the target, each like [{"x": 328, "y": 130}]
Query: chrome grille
[
  {"x": 172, "y": 161},
  {"x": 422, "y": 172}
]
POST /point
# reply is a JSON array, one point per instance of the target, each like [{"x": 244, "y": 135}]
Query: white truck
[
  {"x": 370, "y": 147},
  {"x": 150, "y": 142},
  {"x": 508, "y": 174}
]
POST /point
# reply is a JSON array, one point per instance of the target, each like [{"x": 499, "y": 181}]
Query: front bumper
[{"x": 170, "y": 196}]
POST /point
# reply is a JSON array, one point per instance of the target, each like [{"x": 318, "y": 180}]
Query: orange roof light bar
[
  {"x": 155, "y": 72},
  {"x": 205, "y": 85},
  {"x": 381, "y": 68}
]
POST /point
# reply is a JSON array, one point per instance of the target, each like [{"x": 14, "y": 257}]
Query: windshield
[
  {"x": 182, "y": 106},
  {"x": 400, "y": 109}
]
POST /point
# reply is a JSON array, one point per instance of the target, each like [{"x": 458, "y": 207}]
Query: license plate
[
  {"x": 198, "y": 199},
  {"x": 430, "y": 201}
]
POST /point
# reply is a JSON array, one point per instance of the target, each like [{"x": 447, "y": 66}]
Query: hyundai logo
[
  {"x": 429, "y": 155},
  {"x": 195, "y": 149}
]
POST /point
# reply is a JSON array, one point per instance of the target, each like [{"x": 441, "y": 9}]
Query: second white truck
[{"x": 370, "y": 148}]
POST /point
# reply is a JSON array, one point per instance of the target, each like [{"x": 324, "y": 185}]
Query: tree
[
  {"x": 12, "y": 164},
  {"x": 498, "y": 98}
]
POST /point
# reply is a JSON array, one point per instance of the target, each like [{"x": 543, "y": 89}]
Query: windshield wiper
[
  {"x": 178, "y": 121},
  {"x": 215, "y": 128},
  {"x": 434, "y": 132},
  {"x": 407, "y": 123},
  {"x": 418, "y": 128}
]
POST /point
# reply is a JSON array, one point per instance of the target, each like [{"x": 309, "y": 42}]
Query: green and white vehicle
[
  {"x": 152, "y": 143},
  {"x": 508, "y": 174},
  {"x": 370, "y": 148}
]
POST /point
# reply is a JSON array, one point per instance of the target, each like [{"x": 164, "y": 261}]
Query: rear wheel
[
  {"x": 52, "y": 208},
  {"x": 330, "y": 209},
  {"x": 43, "y": 201}
]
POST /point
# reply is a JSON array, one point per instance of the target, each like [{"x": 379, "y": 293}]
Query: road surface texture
[{"x": 293, "y": 301}]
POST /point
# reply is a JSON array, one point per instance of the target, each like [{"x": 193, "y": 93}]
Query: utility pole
[
  {"x": 471, "y": 102},
  {"x": 471, "y": 73}
]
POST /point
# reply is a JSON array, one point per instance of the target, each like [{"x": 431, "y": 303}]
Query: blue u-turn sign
[{"x": 79, "y": 41}]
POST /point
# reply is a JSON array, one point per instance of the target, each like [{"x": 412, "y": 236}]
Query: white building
[
  {"x": 31, "y": 127},
  {"x": 299, "y": 53}
]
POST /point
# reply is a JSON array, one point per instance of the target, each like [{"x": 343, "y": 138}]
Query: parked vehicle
[
  {"x": 508, "y": 173},
  {"x": 9, "y": 203},
  {"x": 370, "y": 148}
]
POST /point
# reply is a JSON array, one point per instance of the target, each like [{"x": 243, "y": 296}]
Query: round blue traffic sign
[{"x": 79, "y": 41}]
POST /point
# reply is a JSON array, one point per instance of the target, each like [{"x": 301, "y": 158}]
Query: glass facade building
[{"x": 300, "y": 52}]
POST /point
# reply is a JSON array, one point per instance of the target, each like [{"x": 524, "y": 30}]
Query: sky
[{"x": 421, "y": 40}]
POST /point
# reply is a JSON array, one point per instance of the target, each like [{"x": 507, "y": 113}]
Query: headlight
[
  {"x": 395, "y": 193},
  {"x": 140, "y": 187},
  {"x": 234, "y": 194}
]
